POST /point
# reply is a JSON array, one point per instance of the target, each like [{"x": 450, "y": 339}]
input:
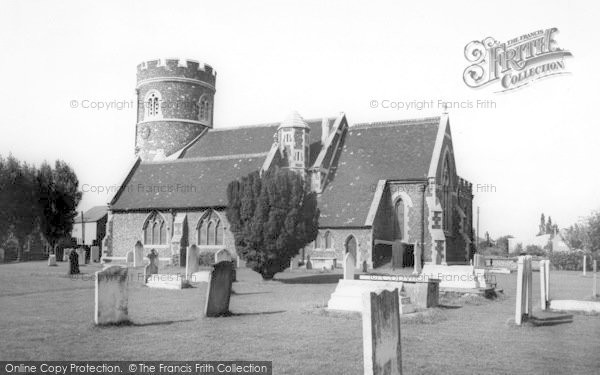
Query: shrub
[
  {"x": 534, "y": 250},
  {"x": 571, "y": 261}
]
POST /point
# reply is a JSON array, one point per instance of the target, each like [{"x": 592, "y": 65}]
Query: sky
[{"x": 537, "y": 146}]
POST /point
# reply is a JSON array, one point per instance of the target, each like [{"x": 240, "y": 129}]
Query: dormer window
[{"x": 153, "y": 105}]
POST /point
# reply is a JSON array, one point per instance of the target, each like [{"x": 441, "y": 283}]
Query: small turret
[{"x": 293, "y": 136}]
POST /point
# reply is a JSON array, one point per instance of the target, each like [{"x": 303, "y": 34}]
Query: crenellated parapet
[{"x": 161, "y": 69}]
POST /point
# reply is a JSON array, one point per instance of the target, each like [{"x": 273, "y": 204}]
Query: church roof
[
  {"x": 93, "y": 214},
  {"x": 398, "y": 150}
]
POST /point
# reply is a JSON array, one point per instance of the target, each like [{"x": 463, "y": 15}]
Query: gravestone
[
  {"x": 81, "y": 256},
  {"x": 524, "y": 289},
  {"x": 349, "y": 264},
  {"x": 308, "y": 263},
  {"x": 222, "y": 256},
  {"x": 364, "y": 266},
  {"x": 1, "y": 255},
  {"x": 66, "y": 254},
  {"x": 138, "y": 255},
  {"x": 52, "y": 260},
  {"x": 152, "y": 268},
  {"x": 543, "y": 300},
  {"x": 584, "y": 264},
  {"x": 73, "y": 263},
  {"x": 192, "y": 261},
  {"x": 219, "y": 290},
  {"x": 129, "y": 258},
  {"x": 95, "y": 254},
  {"x": 382, "y": 352},
  {"x": 111, "y": 295}
]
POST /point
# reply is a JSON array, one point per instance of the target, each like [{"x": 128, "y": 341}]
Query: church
[{"x": 388, "y": 192}]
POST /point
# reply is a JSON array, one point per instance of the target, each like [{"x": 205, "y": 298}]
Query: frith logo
[{"x": 515, "y": 63}]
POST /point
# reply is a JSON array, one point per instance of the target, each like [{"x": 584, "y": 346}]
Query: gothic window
[
  {"x": 204, "y": 109},
  {"x": 399, "y": 219},
  {"x": 327, "y": 240},
  {"x": 299, "y": 156},
  {"x": 210, "y": 230},
  {"x": 447, "y": 196},
  {"x": 317, "y": 241},
  {"x": 152, "y": 105},
  {"x": 155, "y": 230}
]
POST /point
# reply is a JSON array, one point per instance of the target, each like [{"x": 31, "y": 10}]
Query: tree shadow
[
  {"x": 448, "y": 307},
  {"x": 234, "y": 293},
  {"x": 129, "y": 323},
  {"x": 257, "y": 313},
  {"x": 313, "y": 279}
]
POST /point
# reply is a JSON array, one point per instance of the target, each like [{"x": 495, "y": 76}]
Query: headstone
[
  {"x": 95, "y": 254},
  {"x": 524, "y": 289},
  {"x": 382, "y": 352},
  {"x": 111, "y": 295},
  {"x": 152, "y": 268},
  {"x": 129, "y": 258},
  {"x": 365, "y": 266},
  {"x": 81, "y": 256},
  {"x": 52, "y": 260},
  {"x": 308, "y": 263},
  {"x": 192, "y": 261},
  {"x": 543, "y": 301},
  {"x": 1, "y": 255},
  {"x": 138, "y": 255},
  {"x": 66, "y": 254},
  {"x": 73, "y": 263},
  {"x": 349, "y": 265},
  {"x": 222, "y": 256},
  {"x": 584, "y": 264},
  {"x": 219, "y": 290},
  {"x": 547, "y": 289}
]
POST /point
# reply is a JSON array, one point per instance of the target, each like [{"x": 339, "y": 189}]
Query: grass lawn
[{"x": 45, "y": 315}]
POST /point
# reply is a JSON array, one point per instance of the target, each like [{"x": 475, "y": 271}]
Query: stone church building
[{"x": 387, "y": 191}]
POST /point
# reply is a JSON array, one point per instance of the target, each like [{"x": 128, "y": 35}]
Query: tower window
[
  {"x": 299, "y": 156},
  {"x": 204, "y": 109},
  {"x": 153, "y": 105}
]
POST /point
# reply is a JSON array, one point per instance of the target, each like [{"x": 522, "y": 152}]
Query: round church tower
[{"x": 175, "y": 104}]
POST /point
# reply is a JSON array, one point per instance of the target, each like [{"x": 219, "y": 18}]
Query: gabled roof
[
  {"x": 397, "y": 150},
  {"x": 93, "y": 214},
  {"x": 184, "y": 183}
]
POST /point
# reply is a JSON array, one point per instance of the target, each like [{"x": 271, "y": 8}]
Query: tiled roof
[
  {"x": 92, "y": 215},
  {"x": 245, "y": 140},
  {"x": 399, "y": 150},
  {"x": 184, "y": 183},
  {"x": 393, "y": 150}
]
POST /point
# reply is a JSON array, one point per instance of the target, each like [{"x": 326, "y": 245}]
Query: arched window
[
  {"x": 447, "y": 195},
  {"x": 155, "y": 230},
  {"x": 204, "y": 109},
  {"x": 152, "y": 105},
  {"x": 317, "y": 242},
  {"x": 399, "y": 219},
  {"x": 351, "y": 246},
  {"x": 210, "y": 230},
  {"x": 327, "y": 240}
]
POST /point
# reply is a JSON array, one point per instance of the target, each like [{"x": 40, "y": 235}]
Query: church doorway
[
  {"x": 408, "y": 258},
  {"x": 351, "y": 247}
]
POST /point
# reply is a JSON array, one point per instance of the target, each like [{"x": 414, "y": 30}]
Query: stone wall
[{"x": 339, "y": 237}]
